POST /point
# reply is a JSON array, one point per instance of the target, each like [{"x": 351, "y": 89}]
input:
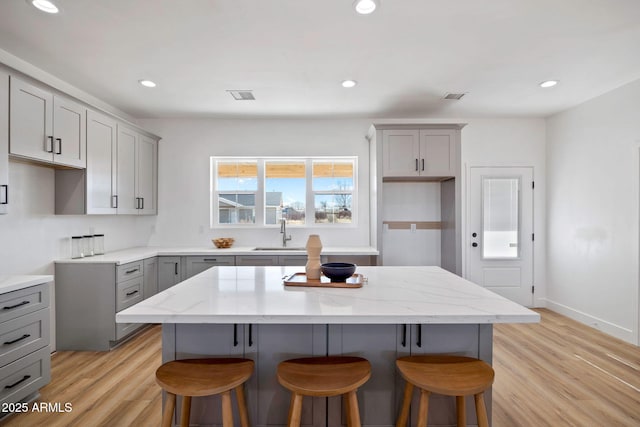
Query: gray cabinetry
[
  {"x": 267, "y": 260},
  {"x": 198, "y": 264},
  {"x": 25, "y": 357},
  {"x": 150, "y": 287},
  {"x": 46, "y": 127},
  {"x": 169, "y": 272},
  {"x": 267, "y": 345},
  {"x": 88, "y": 296},
  {"x": 4, "y": 142}
]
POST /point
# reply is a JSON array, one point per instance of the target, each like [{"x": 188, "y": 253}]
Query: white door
[{"x": 499, "y": 244}]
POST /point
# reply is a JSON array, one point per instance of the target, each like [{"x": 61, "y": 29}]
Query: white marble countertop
[
  {"x": 14, "y": 283},
  {"x": 391, "y": 295},
  {"x": 135, "y": 254}
]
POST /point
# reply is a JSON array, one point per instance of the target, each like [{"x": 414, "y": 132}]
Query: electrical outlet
[{"x": 413, "y": 228}]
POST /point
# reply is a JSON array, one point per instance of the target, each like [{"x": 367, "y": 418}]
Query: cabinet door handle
[
  {"x": 416, "y": 165},
  {"x": 59, "y": 145},
  {"x": 419, "y": 339},
  {"x": 176, "y": 266},
  {"x": 6, "y": 194},
  {"x": 423, "y": 165},
  {"x": 114, "y": 202},
  {"x": 235, "y": 335},
  {"x": 11, "y": 307},
  {"x": 25, "y": 336},
  {"x": 250, "y": 335},
  {"x": 132, "y": 293},
  {"x": 142, "y": 198},
  {"x": 50, "y": 138},
  {"x": 26, "y": 377},
  {"x": 404, "y": 335}
]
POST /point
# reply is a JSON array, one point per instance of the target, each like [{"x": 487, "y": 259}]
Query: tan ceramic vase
[{"x": 314, "y": 247}]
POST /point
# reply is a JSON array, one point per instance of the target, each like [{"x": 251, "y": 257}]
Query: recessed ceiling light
[
  {"x": 365, "y": 7},
  {"x": 147, "y": 83},
  {"x": 349, "y": 83},
  {"x": 549, "y": 83},
  {"x": 44, "y": 5}
]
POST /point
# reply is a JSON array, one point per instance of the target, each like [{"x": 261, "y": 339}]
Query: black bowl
[{"x": 338, "y": 271}]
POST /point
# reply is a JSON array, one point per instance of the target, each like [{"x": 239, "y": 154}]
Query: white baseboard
[{"x": 617, "y": 331}]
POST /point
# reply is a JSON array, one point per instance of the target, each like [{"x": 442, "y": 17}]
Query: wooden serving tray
[{"x": 300, "y": 279}]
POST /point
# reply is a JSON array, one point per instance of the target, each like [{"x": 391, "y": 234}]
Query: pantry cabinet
[
  {"x": 428, "y": 153},
  {"x": 46, "y": 127},
  {"x": 4, "y": 142}
]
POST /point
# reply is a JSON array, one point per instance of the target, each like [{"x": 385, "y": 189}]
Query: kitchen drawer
[
  {"x": 124, "y": 329},
  {"x": 198, "y": 264},
  {"x": 257, "y": 260},
  {"x": 129, "y": 271},
  {"x": 23, "y": 301},
  {"x": 23, "y": 335},
  {"x": 292, "y": 260},
  {"x": 25, "y": 376},
  {"x": 129, "y": 293}
]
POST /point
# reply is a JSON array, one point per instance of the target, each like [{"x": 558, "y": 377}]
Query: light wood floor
[{"x": 556, "y": 373}]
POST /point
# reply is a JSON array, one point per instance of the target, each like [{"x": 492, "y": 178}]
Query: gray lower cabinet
[
  {"x": 25, "y": 357},
  {"x": 150, "y": 287},
  {"x": 88, "y": 296},
  {"x": 267, "y": 345},
  {"x": 169, "y": 272},
  {"x": 198, "y": 264},
  {"x": 267, "y": 260}
]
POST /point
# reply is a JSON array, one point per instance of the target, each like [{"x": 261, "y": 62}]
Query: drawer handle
[
  {"x": 210, "y": 259},
  {"x": 25, "y": 336},
  {"x": 131, "y": 271},
  {"x": 11, "y": 307},
  {"x": 26, "y": 377},
  {"x": 132, "y": 293}
]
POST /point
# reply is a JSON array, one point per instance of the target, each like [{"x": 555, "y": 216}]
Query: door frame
[{"x": 538, "y": 294}]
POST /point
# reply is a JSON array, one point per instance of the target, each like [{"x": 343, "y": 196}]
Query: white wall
[
  {"x": 32, "y": 236},
  {"x": 511, "y": 142},
  {"x": 592, "y": 208},
  {"x": 185, "y": 149}
]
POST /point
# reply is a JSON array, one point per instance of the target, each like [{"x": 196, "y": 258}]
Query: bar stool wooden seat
[
  {"x": 448, "y": 375},
  {"x": 324, "y": 377},
  {"x": 204, "y": 377}
]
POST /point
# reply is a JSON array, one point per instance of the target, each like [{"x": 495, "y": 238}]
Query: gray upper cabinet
[
  {"x": 46, "y": 127},
  {"x": 429, "y": 153},
  {"x": 137, "y": 172},
  {"x": 101, "y": 164},
  {"x": 4, "y": 142}
]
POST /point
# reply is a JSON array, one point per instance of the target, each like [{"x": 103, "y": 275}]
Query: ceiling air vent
[
  {"x": 453, "y": 95},
  {"x": 242, "y": 95}
]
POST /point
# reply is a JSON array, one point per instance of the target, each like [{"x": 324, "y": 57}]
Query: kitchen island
[{"x": 248, "y": 312}]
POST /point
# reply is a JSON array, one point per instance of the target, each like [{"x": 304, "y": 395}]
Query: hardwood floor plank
[{"x": 555, "y": 373}]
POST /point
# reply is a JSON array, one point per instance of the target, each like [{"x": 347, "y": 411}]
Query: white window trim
[{"x": 260, "y": 207}]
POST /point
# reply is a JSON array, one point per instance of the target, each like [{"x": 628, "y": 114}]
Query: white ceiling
[{"x": 294, "y": 53}]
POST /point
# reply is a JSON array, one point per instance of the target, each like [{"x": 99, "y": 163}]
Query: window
[
  {"x": 263, "y": 191},
  {"x": 333, "y": 191},
  {"x": 237, "y": 185},
  {"x": 500, "y": 217}
]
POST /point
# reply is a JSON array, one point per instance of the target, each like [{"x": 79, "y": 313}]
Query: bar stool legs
[
  {"x": 324, "y": 377},
  {"x": 204, "y": 377},
  {"x": 448, "y": 375}
]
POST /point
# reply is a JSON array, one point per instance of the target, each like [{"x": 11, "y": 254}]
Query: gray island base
[{"x": 247, "y": 312}]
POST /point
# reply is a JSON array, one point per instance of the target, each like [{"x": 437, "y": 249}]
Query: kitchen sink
[{"x": 276, "y": 248}]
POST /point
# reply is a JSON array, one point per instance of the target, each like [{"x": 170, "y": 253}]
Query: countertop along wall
[{"x": 593, "y": 153}]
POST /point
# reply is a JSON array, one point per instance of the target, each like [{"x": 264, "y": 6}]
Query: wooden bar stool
[
  {"x": 324, "y": 377},
  {"x": 204, "y": 377},
  {"x": 457, "y": 376}
]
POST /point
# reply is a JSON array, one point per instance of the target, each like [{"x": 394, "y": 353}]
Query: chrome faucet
[{"x": 283, "y": 231}]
